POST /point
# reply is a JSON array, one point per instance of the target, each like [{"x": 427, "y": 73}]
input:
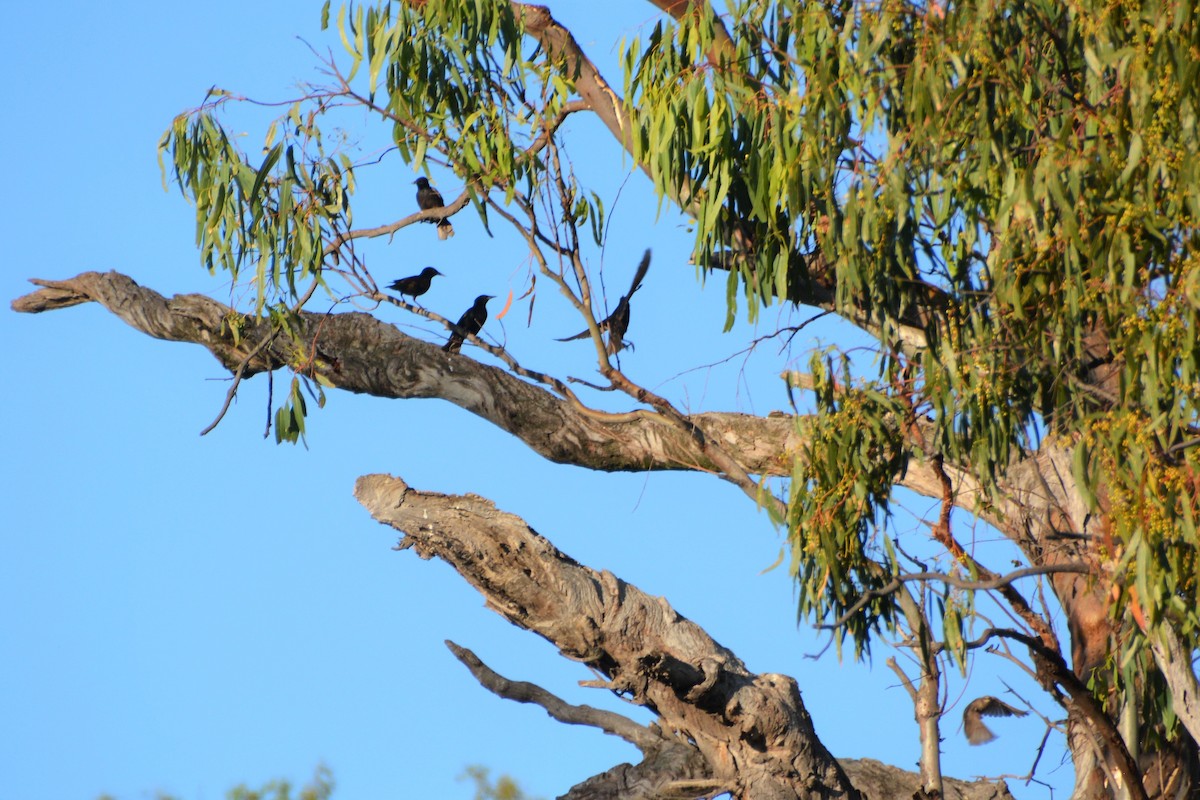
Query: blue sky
[{"x": 182, "y": 613}]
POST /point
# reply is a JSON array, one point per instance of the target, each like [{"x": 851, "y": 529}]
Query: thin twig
[{"x": 996, "y": 582}]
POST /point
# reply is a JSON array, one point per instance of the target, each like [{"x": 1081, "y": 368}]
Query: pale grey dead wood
[
  {"x": 879, "y": 781},
  {"x": 639, "y": 736},
  {"x": 360, "y": 353},
  {"x": 670, "y": 767},
  {"x": 752, "y": 731}
]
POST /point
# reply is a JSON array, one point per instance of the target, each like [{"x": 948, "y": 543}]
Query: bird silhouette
[
  {"x": 978, "y": 733},
  {"x": 470, "y": 322},
  {"x": 429, "y": 197},
  {"x": 414, "y": 285},
  {"x": 617, "y": 323}
]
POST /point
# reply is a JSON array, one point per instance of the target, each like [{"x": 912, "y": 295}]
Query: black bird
[
  {"x": 470, "y": 322},
  {"x": 415, "y": 285},
  {"x": 429, "y": 197},
  {"x": 973, "y": 727},
  {"x": 617, "y": 323}
]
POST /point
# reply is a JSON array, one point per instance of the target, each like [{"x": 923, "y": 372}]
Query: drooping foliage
[
  {"x": 1005, "y": 194},
  {"x": 1020, "y": 182}
]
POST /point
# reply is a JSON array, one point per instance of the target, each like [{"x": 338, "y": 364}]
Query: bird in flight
[
  {"x": 973, "y": 727},
  {"x": 429, "y": 197},
  {"x": 470, "y": 322},
  {"x": 414, "y": 285},
  {"x": 617, "y": 323}
]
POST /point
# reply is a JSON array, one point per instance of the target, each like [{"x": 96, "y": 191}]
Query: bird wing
[
  {"x": 973, "y": 727},
  {"x": 605, "y": 324},
  {"x": 995, "y": 707},
  {"x": 640, "y": 275}
]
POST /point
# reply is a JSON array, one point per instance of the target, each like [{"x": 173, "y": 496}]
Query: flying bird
[
  {"x": 415, "y": 285},
  {"x": 973, "y": 727},
  {"x": 617, "y": 323},
  {"x": 470, "y": 322},
  {"x": 429, "y": 197}
]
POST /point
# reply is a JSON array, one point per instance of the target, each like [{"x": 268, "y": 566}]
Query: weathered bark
[
  {"x": 721, "y": 727},
  {"x": 359, "y": 353},
  {"x": 1177, "y": 669},
  {"x": 880, "y": 781}
]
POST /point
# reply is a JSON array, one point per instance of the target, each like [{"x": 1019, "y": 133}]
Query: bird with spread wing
[
  {"x": 617, "y": 323},
  {"x": 978, "y": 733}
]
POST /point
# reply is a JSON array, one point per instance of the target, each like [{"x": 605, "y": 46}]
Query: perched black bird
[
  {"x": 415, "y": 285},
  {"x": 617, "y": 322},
  {"x": 470, "y": 322},
  {"x": 973, "y": 727},
  {"x": 429, "y": 197}
]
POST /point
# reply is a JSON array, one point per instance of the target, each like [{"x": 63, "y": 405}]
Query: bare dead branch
[
  {"x": 362, "y": 354},
  {"x": 639, "y": 736},
  {"x": 641, "y": 644}
]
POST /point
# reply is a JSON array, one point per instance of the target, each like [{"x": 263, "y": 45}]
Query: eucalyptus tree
[{"x": 1002, "y": 195}]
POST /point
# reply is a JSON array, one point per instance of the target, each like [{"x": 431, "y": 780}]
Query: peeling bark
[
  {"x": 750, "y": 732},
  {"x": 359, "y": 353}
]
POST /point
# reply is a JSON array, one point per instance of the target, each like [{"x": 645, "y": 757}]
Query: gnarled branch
[
  {"x": 359, "y": 353},
  {"x": 731, "y": 729},
  {"x": 752, "y": 730}
]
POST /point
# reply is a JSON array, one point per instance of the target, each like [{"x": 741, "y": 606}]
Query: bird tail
[
  {"x": 640, "y": 274},
  {"x": 616, "y": 345},
  {"x": 444, "y": 229}
]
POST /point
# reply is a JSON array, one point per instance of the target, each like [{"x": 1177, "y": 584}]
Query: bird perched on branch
[
  {"x": 617, "y": 323},
  {"x": 973, "y": 727},
  {"x": 470, "y": 322},
  {"x": 429, "y": 197},
  {"x": 414, "y": 285}
]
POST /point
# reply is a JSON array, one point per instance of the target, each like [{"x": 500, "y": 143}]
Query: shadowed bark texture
[
  {"x": 720, "y": 727},
  {"x": 359, "y": 353}
]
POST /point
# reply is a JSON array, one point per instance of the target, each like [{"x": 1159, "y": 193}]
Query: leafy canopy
[{"x": 1004, "y": 193}]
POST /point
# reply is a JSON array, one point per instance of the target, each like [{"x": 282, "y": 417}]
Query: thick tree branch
[
  {"x": 752, "y": 730},
  {"x": 881, "y": 781},
  {"x": 359, "y": 353},
  {"x": 732, "y": 729}
]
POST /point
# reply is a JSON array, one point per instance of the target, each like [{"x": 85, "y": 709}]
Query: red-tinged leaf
[{"x": 507, "y": 305}]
